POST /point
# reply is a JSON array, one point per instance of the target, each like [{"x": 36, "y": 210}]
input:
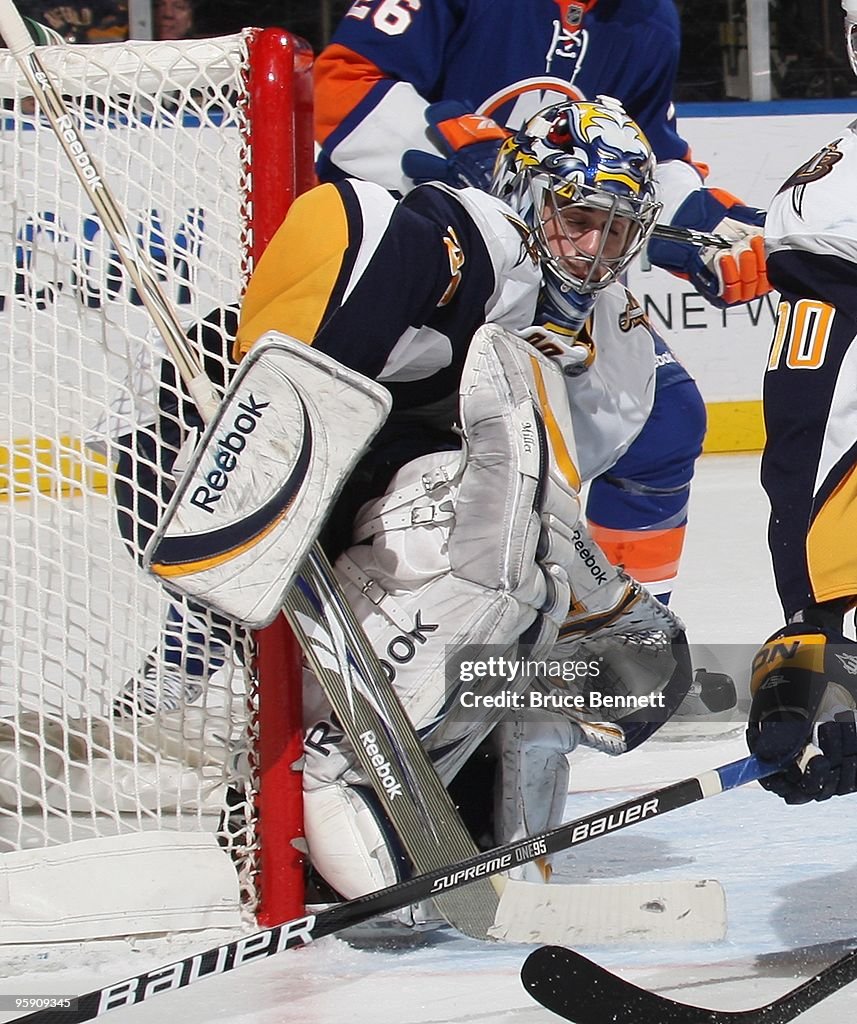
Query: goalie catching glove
[
  {"x": 725, "y": 277},
  {"x": 803, "y": 686},
  {"x": 638, "y": 667},
  {"x": 467, "y": 146}
]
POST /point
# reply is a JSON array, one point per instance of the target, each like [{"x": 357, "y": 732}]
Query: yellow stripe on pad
[{"x": 562, "y": 456}]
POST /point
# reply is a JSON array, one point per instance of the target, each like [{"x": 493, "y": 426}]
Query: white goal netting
[{"x": 120, "y": 711}]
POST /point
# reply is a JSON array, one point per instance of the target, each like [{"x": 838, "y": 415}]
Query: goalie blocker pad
[{"x": 290, "y": 429}]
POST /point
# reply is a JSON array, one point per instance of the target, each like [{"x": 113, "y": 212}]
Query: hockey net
[{"x": 123, "y": 713}]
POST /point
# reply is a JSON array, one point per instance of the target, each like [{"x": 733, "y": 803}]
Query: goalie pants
[{"x": 638, "y": 510}]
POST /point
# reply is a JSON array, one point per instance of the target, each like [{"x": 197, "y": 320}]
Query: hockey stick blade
[
  {"x": 573, "y": 987},
  {"x": 303, "y": 930}
]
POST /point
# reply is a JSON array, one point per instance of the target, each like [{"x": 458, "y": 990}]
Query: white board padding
[{"x": 120, "y": 885}]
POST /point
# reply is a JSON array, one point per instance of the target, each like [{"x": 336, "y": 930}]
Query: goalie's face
[
  {"x": 588, "y": 246},
  {"x": 575, "y": 168}
]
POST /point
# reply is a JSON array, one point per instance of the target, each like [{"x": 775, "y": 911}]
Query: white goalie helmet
[
  {"x": 581, "y": 156},
  {"x": 850, "y": 8}
]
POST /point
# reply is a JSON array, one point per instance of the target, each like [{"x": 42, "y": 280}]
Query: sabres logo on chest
[
  {"x": 816, "y": 168},
  {"x": 632, "y": 315}
]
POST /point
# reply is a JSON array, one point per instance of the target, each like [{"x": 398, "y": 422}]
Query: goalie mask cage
[{"x": 123, "y": 714}]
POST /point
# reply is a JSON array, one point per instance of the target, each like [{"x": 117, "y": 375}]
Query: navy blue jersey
[
  {"x": 505, "y": 58},
  {"x": 392, "y": 289}
]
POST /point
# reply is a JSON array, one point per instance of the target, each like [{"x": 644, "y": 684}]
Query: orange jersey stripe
[
  {"x": 647, "y": 555},
  {"x": 724, "y": 197},
  {"x": 703, "y": 169},
  {"x": 541, "y": 84},
  {"x": 341, "y": 79}
]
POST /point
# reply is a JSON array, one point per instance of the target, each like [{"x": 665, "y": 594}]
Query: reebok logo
[
  {"x": 380, "y": 765},
  {"x": 75, "y": 147},
  {"x": 229, "y": 447},
  {"x": 588, "y": 558},
  {"x": 403, "y": 648}
]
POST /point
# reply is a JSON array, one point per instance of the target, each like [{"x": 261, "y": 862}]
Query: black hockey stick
[
  {"x": 303, "y": 930},
  {"x": 568, "y": 984}
]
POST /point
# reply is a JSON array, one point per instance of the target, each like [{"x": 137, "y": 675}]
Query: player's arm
[
  {"x": 373, "y": 91},
  {"x": 723, "y": 276},
  {"x": 351, "y": 271}
]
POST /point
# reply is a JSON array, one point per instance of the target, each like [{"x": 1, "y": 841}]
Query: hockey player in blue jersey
[
  {"x": 804, "y": 679},
  {"x": 413, "y": 91}
]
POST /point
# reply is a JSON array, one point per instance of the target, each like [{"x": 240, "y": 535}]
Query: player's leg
[
  {"x": 463, "y": 556},
  {"x": 617, "y": 642},
  {"x": 531, "y": 782},
  {"x": 803, "y": 679},
  {"x": 637, "y": 511},
  {"x": 637, "y": 642}
]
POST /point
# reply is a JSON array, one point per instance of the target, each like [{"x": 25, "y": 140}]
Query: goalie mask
[
  {"x": 581, "y": 175},
  {"x": 850, "y": 8}
]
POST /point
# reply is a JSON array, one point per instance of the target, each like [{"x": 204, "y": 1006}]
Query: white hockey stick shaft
[
  {"x": 432, "y": 832},
  {"x": 23, "y": 49}
]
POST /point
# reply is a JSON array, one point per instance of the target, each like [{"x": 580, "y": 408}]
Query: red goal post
[
  {"x": 280, "y": 92},
  {"x": 204, "y": 143}
]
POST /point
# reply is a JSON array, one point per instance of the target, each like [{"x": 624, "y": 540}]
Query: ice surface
[{"x": 790, "y": 874}]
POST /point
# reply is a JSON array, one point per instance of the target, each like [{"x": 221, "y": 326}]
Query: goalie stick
[
  {"x": 303, "y": 930},
  {"x": 348, "y": 670},
  {"x": 570, "y": 985}
]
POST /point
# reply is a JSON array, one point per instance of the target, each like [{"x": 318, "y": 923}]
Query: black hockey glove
[{"x": 803, "y": 686}]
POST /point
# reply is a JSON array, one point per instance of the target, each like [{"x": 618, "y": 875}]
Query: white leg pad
[
  {"x": 345, "y": 842},
  {"x": 460, "y": 552},
  {"x": 531, "y": 786}
]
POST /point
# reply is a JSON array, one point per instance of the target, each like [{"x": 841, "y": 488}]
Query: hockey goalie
[{"x": 518, "y": 367}]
